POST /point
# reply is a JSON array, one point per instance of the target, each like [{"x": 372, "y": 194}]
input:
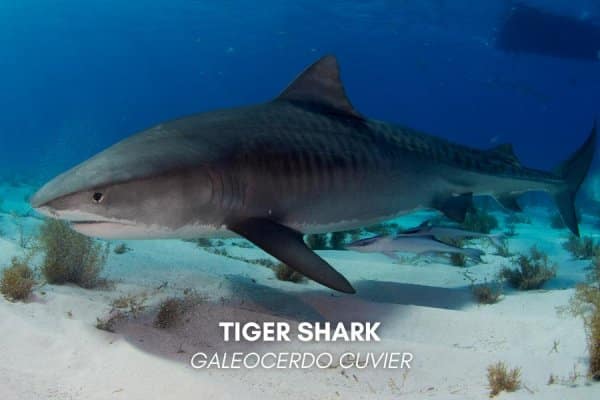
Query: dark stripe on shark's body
[{"x": 306, "y": 162}]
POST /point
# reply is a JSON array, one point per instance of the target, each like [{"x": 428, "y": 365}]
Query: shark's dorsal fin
[
  {"x": 505, "y": 152},
  {"x": 320, "y": 85}
]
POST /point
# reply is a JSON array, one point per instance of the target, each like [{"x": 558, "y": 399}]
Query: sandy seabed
[{"x": 51, "y": 349}]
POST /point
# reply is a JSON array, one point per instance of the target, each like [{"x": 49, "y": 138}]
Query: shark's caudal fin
[{"x": 573, "y": 171}]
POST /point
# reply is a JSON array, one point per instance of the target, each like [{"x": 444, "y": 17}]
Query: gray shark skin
[
  {"x": 419, "y": 244},
  {"x": 306, "y": 162}
]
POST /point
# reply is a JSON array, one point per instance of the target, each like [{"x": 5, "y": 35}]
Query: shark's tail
[{"x": 573, "y": 171}]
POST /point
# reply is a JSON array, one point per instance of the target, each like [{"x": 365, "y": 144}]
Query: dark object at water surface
[{"x": 529, "y": 30}]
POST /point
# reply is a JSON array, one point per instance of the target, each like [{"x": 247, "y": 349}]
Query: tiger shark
[{"x": 305, "y": 162}]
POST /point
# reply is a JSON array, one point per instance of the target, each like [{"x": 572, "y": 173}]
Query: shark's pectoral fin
[
  {"x": 455, "y": 207},
  {"x": 509, "y": 201},
  {"x": 287, "y": 245}
]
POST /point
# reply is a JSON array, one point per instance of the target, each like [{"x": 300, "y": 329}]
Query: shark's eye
[{"x": 98, "y": 197}]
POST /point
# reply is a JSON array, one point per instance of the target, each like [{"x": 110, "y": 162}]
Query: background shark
[
  {"x": 419, "y": 244},
  {"x": 305, "y": 162}
]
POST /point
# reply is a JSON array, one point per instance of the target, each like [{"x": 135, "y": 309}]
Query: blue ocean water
[{"x": 78, "y": 76}]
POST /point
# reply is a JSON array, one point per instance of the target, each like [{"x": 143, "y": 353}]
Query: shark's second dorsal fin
[
  {"x": 505, "y": 152},
  {"x": 320, "y": 85}
]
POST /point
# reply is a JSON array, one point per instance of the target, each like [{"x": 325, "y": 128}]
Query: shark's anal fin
[
  {"x": 455, "y": 207},
  {"x": 287, "y": 245},
  {"x": 509, "y": 201}
]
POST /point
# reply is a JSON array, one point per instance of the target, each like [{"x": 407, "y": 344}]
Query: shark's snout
[
  {"x": 37, "y": 200},
  {"x": 43, "y": 201},
  {"x": 47, "y": 193}
]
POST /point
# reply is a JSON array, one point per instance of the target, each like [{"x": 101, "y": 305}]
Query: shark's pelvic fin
[
  {"x": 509, "y": 201},
  {"x": 320, "y": 86},
  {"x": 287, "y": 245},
  {"x": 455, "y": 207}
]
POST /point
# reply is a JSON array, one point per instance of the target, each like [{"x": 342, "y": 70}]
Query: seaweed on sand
[
  {"x": 585, "y": 304},
  {"x": 582, "y": 248},
  {"x": 504, "y": 250},
  {"x": 284, "y": 273},
  {"x": 457, "y": 259},
  {"x": 17, "y": 280},
  {"x": 171, "y": 310},
  {"x": 500, "y": 378},
  {"x": 487, "y": 293},
  {"x": 122, "y": 249},
  {"x": 169, "y": 313},
  {"x": 479, "y": 221},
  {"x": 70, "y": 257},
  {"x": 108, "y": 323},
  {"x": 132, "y": 304},
  {"x": 532, "y": 271}
]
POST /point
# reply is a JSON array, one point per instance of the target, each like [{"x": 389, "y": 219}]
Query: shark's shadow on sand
[
  {"x": 250, "y": 301},
  {"x": 411, "y": 294}
]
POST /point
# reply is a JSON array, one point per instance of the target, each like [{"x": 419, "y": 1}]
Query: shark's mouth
[
  {"x": 109, "y": 229},
  {"x": 94, "y": 225},
  {"x": 90, "y": 222},
  {"x": 77, "y": 218}
]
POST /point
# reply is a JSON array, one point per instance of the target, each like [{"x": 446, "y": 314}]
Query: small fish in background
[
  {"x": 450, "y": 234},
  {"x": 421, "y": 245}
]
